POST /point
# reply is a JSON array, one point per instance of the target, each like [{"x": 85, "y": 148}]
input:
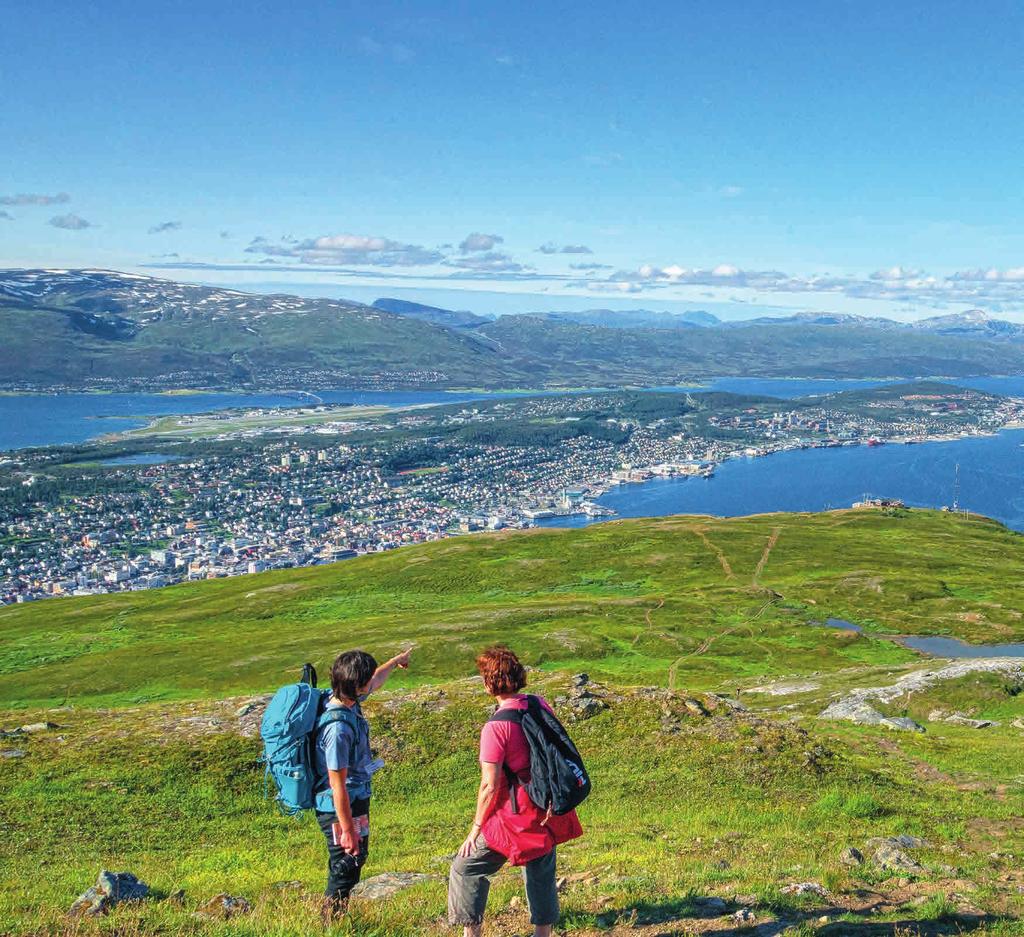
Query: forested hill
[{"x": 98, "y": 329}]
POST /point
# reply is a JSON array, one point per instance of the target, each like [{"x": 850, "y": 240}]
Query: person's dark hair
[
  {"x": 501, "y": 671},
  {"x": 350, "y": 672}
]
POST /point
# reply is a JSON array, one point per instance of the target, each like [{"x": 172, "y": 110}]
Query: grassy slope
[
  {"x": 633, "y": 601},
  {"x": 685, "y": 806}
]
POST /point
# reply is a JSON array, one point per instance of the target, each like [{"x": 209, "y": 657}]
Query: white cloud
[
  {"x": 731, "y": 191},
  {"x": 480, "y": 242},
  {"x": 550, "y": 248},
  {"x": 355, "y": 249},
  {"x": 31, "y": 198},
  {"x": 490, "y": 262},
  {"x": 70, "y": 222},
  {"x": 165, "y": 226}
]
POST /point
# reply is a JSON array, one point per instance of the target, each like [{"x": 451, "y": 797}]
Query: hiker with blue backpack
[
  {"x": 532, "y": 779},
  {"x": 317, "y": 749}
]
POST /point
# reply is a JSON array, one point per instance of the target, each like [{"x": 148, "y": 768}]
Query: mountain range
[{"x": 89, "y": 329}]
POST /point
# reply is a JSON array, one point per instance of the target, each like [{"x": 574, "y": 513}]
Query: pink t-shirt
[{"x": 505, "y": 742}]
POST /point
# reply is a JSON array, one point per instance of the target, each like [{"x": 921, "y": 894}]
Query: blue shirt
[{"x": 339, "y": 746}]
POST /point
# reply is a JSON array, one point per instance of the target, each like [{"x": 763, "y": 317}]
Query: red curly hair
[{"x": 501, "y": 670}]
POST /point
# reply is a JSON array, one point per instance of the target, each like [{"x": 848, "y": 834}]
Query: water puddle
[{"x": 935, "y": 645}]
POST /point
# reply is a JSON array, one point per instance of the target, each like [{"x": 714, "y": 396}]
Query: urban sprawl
[{"x": 322, "y": 488}]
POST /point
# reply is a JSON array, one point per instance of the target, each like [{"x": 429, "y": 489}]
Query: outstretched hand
[{"x": 402, "y": 660}]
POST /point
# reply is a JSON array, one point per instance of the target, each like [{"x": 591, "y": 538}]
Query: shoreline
[{"x": 603, "y": 485}]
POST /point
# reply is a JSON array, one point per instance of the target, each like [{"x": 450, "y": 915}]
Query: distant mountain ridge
[
  {"x": 635, "y": 318},
  {"x": 99, "y": 329},
  {"x": 433, "y": 314},
  {"x": 973, "y": 323}
]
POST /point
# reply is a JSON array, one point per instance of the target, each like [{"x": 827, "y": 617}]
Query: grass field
[{"x": 151, "y": 770}]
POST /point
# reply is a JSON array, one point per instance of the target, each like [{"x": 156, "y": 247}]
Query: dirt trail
[
  {"x": 772, "y": 540},
  {"x": 649, "y": 624},
  {"x": 726, "y": 568},
  {"x": 702, "y": 648}
]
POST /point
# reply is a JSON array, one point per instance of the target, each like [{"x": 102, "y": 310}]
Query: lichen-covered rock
[
  {"x": 111, "y": 888},
  {"x": 851, "y": 856},
  {"x": 891, "y": 858},
  {"x": 387, "y": 884},
  {"x": 224, "y": 906},
  {"x": 902, "y": 723},
  {"x": 805, "y": 888}
]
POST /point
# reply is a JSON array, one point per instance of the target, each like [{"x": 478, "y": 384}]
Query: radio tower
[{"x": 956, "y": 489}]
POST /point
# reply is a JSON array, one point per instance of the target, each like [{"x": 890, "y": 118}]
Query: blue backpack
[{"x": 293, "y": 718}]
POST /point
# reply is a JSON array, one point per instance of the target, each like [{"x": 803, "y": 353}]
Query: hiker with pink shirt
[{"x": 531, "y": 779}]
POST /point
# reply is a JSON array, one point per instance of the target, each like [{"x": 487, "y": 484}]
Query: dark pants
[
  {"x": 470, "y": 881},
  {"x": 343, "y": 869}
]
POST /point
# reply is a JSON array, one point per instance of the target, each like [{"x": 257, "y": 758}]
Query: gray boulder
[
  {"x": 857, "y": 711},
  {"x": 12, "y": 753},
  {"x": 34, "y": 728},
  {"x": 853, "y": 710},
  {"x": 902, "y": 723},
  {"x": 890, "y": 857},
  {"x": 387, "y": 884},
  {"x": 805, "y": 888},
  {"x": 111, "y": 889},
  {"x": 959, "y": 719}
]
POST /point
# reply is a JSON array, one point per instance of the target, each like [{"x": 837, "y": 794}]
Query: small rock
[
  {"x": 387, "y": 884},
  {"x": 224, "y": 906},
  {"x": 712, "y": 905},
  {"x": 891, "y": 858},
  {"x": 851, "y": 857},
  {"x": 588, "y": 707},
  {"x": 902, "y": 723},
  {"x": 246, "y": 708},
  {"x": 853, "y": 710},
  {"x": 111, "y": 888},
  {"x": 34, "y": 727},
  {"x": 580, "y": 679},
  {"x": 695, "y": 706},
  {"x": 960, "y": 719},
  {"x": 733, "y": 705},
  {"x": 515, "y": 903},
  {"x": 744, "y": 916},
  {"x": 13, "y": 753},
  {"x": 805, "y": 888}
]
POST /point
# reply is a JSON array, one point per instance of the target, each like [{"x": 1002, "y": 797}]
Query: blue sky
[{"x": 863, "y": 157}]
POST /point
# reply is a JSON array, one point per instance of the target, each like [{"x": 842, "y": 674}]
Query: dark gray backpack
[{"x": 558, "y": 779}]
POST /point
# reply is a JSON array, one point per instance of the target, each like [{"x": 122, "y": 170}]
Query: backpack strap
[
  {"x": 515, "y": 716},
  {"x": 333, "y": 714}
]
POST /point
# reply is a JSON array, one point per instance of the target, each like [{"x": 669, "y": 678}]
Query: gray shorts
[{"x": 470, "y": 881}]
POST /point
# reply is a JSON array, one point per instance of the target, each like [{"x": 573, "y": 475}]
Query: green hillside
[
  {"x": 634, "y": 601},
  {"x": 703, "y": 807}
]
